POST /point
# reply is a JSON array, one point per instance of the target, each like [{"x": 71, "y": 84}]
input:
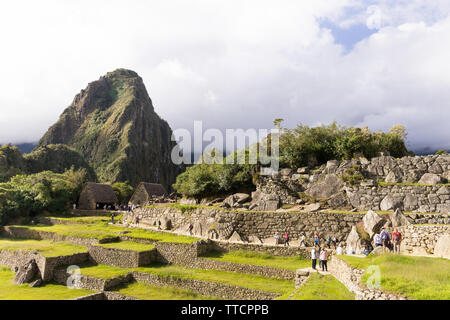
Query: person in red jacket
[
  {"x": 286, "y": 239},
  {"x": 397, "y": 239}
]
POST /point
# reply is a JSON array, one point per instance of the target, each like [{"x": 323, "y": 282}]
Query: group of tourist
[
  {"x": 392, "y": 243},
  {"x": 322, "y": 253}
]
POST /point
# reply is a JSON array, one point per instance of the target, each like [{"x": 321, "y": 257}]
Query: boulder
[
  {"x": 372, "y": 222},
  {"x": 446, "y": 175},
  {"x": 353, "y": 240},
  {"x": 188, "y": 201},
  {"x": 435, "y": 168},
  {"x": 235, "y": 237},
  {"x": 241, "y": 197},
  {"x": 443, "y": 191},
  {"x": 377, "y": 251},
  {"x": 26, "y": 272},
  {"x": 166, "y": 224},
  {"x": 229, "y": 201},
  {"x": 286, "y": 172},
  {"x": 325, "y": 189},
  {"x": 389, "y": 203},
  {"x": 442, "y": 247},
  {"x": 312, "y": 207},
  {"x": 430, "y": 178},
  {"x": 411, "y": 202},
  {"x": 398, "y": 219},
  {"x": 303, "y": 170},
  {"x": 392, "y": 177},
  {"x": 338, "y": 200}
]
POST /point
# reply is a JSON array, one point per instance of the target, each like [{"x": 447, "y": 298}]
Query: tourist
[
  {"x": 339, "y": 250},
  {"x": 277, "y": 238},
  {"x": 323, "y": 259},
  {"x": 316, "y": 239},
  {"x": 159, "y": 224},
  {"x": 137, "y": 220},
  {"x": 377, "y": 240},
  {"x": 190, "y": 228},
  {"x": 385, "y": 238},
  {"x": 302, "y": 241},
  {"x": 74, "y": 206},
  {"x": 329, "y": 242},
  {"x": 314, "y": 257},
  {"x": 335, "y": 241},
  {"x": 397, "y": 238},
  {"x": 286, "y": 239},
  {"x": 112, "y": 218}
]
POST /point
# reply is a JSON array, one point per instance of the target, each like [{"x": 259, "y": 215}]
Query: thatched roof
[
  {"x": 102, "y": 193},
  {"x": 154, "y": 189}
]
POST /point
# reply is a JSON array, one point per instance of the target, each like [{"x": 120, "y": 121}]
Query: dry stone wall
[
  {"x": 421, "y": 240},
  {"x": 351, "y": 278},
  {"x": 414, "y": 198},
  {"x": 259, "y": 226},
  {"x": 121, "y": 258}
]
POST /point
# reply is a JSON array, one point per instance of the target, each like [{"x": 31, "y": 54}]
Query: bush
[
  {"x": 123, "y": 191},
  {"x": 298, "y": 146},
  {"x": 441, "y": 152},
  {"x": 28, "y": 195}
]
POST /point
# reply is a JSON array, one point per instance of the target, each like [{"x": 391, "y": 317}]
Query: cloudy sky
[{"x": 234, "y": 64}]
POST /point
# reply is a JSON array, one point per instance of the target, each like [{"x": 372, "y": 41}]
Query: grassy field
[
  {"x": 46, "y": 248},
  {"x": 101, "y": 271},
  {"x": 224, "y": 277},
  {"x": 259, "y": 259},
  {"x": 128, "y": 245},
  {"x": 101, "y": 230},
  {"x": 146, "y": 291},
  {"x": 11, "y": 291},
  {"x": 420, "y": 278},
  {"x": 321, "y": 287}
]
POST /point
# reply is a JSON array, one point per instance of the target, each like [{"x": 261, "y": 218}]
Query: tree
[
  {"x": 277, "y": 123},
  {"x": 123, "y": 191}
]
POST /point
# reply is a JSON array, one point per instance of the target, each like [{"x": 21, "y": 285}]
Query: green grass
[
  {"x": 48, "y": 291},
  {"x": 420, "y": 278},
  {"x": 128, "y": 245},
  {"x": 224, "y": 277},
  {"x": 259, "y": 259},
  {"x": 86, "y": 219},
  {"x": 102, "y": 230},
  {"x": 46, "y": 248},
  {"x": 101, "y": 271},
  {"x": 321, "y": 287},
  {"x": 146, "y": 291},
  {"x": 218, "y": 276}
]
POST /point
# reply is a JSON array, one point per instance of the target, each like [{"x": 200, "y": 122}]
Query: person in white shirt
[
  {"x": 377, "y": 240},
  {"x": 314, "y": 257},
  {"x": 277, "y": 238},
  {"x": 339, "y": 250}
]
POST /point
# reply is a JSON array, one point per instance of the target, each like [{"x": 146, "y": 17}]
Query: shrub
[{"x": 28, "y": 195}]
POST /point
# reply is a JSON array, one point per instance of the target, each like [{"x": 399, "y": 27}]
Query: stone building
[
  {"x": 145, "y": 191},
  {"x": 94, "y": 194}
]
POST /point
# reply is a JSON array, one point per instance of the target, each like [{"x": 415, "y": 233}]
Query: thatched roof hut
[
  {"x": 145, "y": 191},
  {"x": 96, "y": 193}
]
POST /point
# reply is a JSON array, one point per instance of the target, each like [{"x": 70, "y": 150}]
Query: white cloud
[{"x": 231, "y": 64}]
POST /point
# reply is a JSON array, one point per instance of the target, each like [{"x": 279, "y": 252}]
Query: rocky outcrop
[
  {"x": 372, "y": 222},
  {"x": 325, "y": 189},
  {"x": 442, "y": 247},
  {"x": 26, "y": 272}
]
